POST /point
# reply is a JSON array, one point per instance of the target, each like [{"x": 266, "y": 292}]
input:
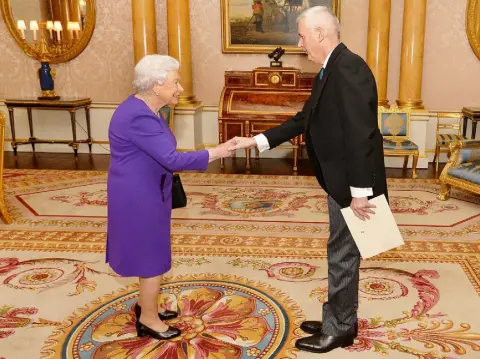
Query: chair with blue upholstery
[
  {"x": 394, "y": 124},
  {"x": 449, "y": 129},
  {"x": 462, "y": 169}
]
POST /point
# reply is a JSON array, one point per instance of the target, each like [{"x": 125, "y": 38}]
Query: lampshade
[
  {"x": 33, "y": 25},
  {"x": 21, "y": 25},
  {"x": 57, "y": 25},
  {"x": 49, "y": 25},
  {"x": 75, "y": 26}
]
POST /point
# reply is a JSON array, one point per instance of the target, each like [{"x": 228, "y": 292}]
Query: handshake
[{"x": 227, "y": 149}]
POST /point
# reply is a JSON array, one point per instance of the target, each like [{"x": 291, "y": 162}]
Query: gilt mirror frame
[
  {"x": 65, "y": 56},
  {"x": 473, "y": 6}
]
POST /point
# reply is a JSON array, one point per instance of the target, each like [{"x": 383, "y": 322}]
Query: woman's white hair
[
  {"x": 322, "y": 17},
  {"x": 153, "y": 69}
]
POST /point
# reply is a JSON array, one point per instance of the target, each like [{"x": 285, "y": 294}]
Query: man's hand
[
  {"x": 240, "y": 143},
  {"x": 361, "y": 208}
]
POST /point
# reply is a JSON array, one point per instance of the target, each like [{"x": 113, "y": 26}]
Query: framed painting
[{"x": 260, "y": 26}]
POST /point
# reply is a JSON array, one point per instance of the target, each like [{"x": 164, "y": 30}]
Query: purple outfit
[{"x": 143, "y": 150}]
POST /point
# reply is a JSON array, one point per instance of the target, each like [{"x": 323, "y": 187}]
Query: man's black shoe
[
  {"x": 315, "y": 326},
  {"x": 322, "y": 343}
]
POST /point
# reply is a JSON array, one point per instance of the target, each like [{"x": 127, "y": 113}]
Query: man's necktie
[{"x": 321, "y": 73}]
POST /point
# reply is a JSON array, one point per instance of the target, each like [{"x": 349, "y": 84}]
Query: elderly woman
[{"x": 143, "y": 159}]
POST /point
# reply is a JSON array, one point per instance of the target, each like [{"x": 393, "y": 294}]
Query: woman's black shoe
[
  {"x": 144, "y": 331},
  {"x": 166, "y": 315}
]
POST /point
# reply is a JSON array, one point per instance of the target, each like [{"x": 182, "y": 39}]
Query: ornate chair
[
  {"x": 462, "y": 169},
  {"x": 394, "y": 124},
  {"x": 449, "y": 129},
  {"x": 3, "y": 208}
]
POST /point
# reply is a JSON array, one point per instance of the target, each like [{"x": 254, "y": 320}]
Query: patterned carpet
[{"x": 249, "y": 266}]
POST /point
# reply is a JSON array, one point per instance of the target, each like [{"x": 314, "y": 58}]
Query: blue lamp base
[{"x": 46, "y": 76}]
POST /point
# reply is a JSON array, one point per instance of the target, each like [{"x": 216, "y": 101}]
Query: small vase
[{"x": 46, "y": 76}]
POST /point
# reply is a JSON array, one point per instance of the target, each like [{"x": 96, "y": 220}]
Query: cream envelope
[{"x": 378, "y": 234}]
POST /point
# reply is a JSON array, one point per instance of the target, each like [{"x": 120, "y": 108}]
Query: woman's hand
[{"x": 221, "y": 151}]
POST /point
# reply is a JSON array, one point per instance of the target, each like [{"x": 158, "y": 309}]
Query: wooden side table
[
  {"x": 472, "y": 113},
  {"x": 70, "y": 105}
]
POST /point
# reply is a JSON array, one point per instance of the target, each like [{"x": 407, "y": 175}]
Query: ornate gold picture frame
[
  {"x": 57, "y": 51},
  {"x": 260, "y": 26},
  {"x": 473, "y": 25}
]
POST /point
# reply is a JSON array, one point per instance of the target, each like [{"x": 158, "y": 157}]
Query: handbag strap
[{"x": 162, "y": 184}]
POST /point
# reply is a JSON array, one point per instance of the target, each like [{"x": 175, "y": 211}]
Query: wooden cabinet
[{"x": 254, "y": 101}]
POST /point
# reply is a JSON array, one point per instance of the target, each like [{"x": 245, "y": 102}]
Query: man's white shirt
[{"x": 263, "y": 145}]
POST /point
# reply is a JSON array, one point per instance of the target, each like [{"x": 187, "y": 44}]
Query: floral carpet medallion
[
  {"x": 220, "y": 317},
  {"x": 239, "y": 202}
]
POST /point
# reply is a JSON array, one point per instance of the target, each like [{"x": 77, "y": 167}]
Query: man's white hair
[
  {"x": 153, "y": 69},
  {"x": 321, "y": 17}
]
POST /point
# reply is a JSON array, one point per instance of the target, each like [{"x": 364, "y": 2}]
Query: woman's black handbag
[{"x": 179, "y": 198}]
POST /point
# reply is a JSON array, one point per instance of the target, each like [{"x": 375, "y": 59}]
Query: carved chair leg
[
  {"x": 4, "y": 213},
  {"x": 6, "y": 218},
  {"x": 436, "y": 158},
  {"x": 405, "y": 162},
  {"x": 445, "y": 192},
  {"x": 414, "y": 165},
  {"x": 295, "y": 158}
]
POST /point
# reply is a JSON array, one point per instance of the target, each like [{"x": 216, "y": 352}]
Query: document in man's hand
[{"x": 376, "y": 235}]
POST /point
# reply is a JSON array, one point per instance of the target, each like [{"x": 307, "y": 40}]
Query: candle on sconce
[
  {"x": 70, "y": 28},
  {"x": 76, "y": 28},
  {"x": 73, "y": 28},
  {"x": 22, "y": 27},
  {"x": 34, "y": 28},
  {"x": 57, "y": 26},
  {"x": 50, "y": 28}
]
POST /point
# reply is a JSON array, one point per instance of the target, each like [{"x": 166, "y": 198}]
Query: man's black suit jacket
[{"x": 339, "y": 120}]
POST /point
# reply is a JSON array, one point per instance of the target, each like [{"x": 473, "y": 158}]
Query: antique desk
[
  {"x": 254, "y": 101},
  {"x": 70, "y": 105},
  {"x": 472, "y": 113}
]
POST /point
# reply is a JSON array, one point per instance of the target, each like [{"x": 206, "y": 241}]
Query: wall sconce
[
  {"x": 74, "y": 28},
  {"x": 57, "y": 26},
  {"x": 50, "y": 28},
  {"x": 22, "y": 27},
  {"x": 34, "y": 28}
]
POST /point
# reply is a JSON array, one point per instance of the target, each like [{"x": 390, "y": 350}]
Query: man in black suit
[{"x": 345, "y": 148}]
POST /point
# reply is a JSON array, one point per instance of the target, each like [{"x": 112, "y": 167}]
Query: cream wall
[{"x": 451, "y": 69}]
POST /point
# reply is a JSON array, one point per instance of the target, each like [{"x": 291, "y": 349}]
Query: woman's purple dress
[{"x": 143, "y": 150}]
